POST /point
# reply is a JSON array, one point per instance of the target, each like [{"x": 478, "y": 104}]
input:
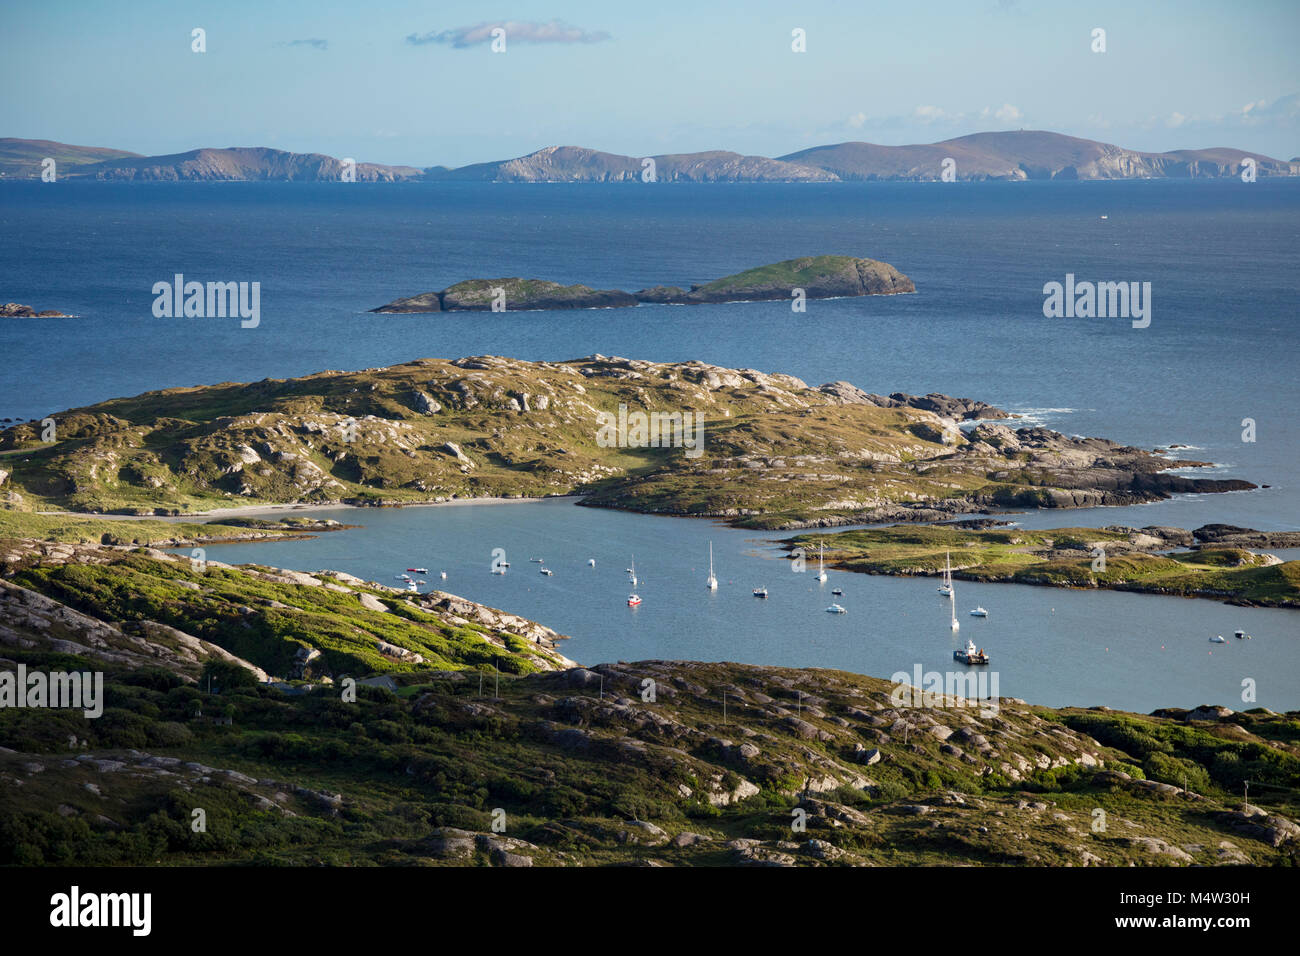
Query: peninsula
[{"x": 773, "y": 451}]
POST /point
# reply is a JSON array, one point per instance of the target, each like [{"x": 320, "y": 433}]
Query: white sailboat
[
  {"x": 821, "y": 565},
  {"x": 952, "y": 602},
  {"x": 631, "y": 572},
  {"x": 712, "y": 582},
  {"x": 946, "y": 587}
]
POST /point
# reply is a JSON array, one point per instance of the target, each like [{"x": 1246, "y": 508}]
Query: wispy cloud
[
  {"x": 314, "y": 42},
  {"x": 556, "y": 31}
]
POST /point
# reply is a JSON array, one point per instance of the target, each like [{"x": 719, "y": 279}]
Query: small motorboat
[
  {"x": 633, "y": 600},
  {"x": 591, "y": 562},
  {"x": 1218, "y": 639},
  {"x": 760, "y": 592},
  {"x": 412, "y": 586},
  {"x": 402, "y": 577},
  {"x": 535, "y": 560},
  {"x": 837, "y": 591},
  {"x": 969, "y": 655},
  {"x": 836, "y": 609},
  {"x": 547, "y": 571},
  {"x": 444, "y": 575},
  {"x": 1242, "y": 636},
  {"x": 418, "y": 570},
  {"x": 979, "y": 612}
]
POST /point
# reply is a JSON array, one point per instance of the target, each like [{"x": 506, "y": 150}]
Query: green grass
[{"x": 1043, "y": 557}]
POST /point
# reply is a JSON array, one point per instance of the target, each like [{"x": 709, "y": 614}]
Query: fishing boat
[
  {"x": 946, "y": 587},
  {"x": 821, "y": 564},
  {"x": 418, "y": 570},
  {"x": 760, "y": 592},
  {"x": 633, "y": 600},
  {"x": 979, "y": 612},
  {"x": 1218, "y": 639},
  {"x": 712, "y": 582},
  {"x": 969, "y": 655},
  {"x": 836, "y": 609}
]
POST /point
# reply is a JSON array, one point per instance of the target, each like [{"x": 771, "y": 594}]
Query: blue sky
[{"x": 666, "y": 76}]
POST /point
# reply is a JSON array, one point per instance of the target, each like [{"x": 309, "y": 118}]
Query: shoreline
[{"x": 253, "y": 511}]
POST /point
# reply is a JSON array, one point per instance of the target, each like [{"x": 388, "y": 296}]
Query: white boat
[
  {"x": 402, "y": 577},
  {"x": 821, "y": 564},
  {"x": 946, "y": 587},
  {"x": 443, "y": 575},
  {"x": 1218, "y": 639},
  {"x": 836, "y": 609},
  {"x": 969, "y": 655},
  {"x": 535, "y": 560},
  {"x": 1242, "y": 636},
  {"x": 838, "y": 592},
  {"x": 591, "y": 562},
  {"x": 631, "y": 573},
  {"x": 633, "y": 600},
  {"x": 979, "y": 612},
  {"x": 412, "y": 586},
  {"x": 712, "y": 582},
  {"x": 952, "y": 600},
  {"x": 760, "y": 592},
  {"x": 547, "y": 571}
]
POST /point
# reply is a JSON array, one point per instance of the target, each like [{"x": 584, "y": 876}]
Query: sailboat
[
  {"x": 946, "y": 587},
  {"x": 821, "y": 565},
  {"x": 952, "y": 603},
  {"x": 631, "y": 572},
  {"x": 712, "y": 582}
]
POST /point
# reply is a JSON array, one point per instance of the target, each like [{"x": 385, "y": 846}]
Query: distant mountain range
[{"x": 1020, "y": 155}]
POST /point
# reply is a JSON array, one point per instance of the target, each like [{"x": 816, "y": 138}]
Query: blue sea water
[{"x": 1223, "y": 346}]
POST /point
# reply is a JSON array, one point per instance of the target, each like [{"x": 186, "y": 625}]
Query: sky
[{"x": 418, "y": 83}]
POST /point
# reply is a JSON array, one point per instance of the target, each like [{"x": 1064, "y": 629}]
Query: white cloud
[
  {"x": 556, "y": 31},
  {"x": 928, "y": 114},
  {"x": 1008, "y": 113},
  {"x": 858, "y": 120}
]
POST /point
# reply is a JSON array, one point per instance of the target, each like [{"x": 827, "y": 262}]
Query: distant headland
[{"x": 1009, "y": 155}]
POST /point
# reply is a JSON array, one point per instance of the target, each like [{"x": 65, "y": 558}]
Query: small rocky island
[
  {"x": 820, "y": 277},
  {"x": 12, "y": 310}
]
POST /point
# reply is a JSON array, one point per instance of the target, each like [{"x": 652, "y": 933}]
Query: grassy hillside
[
  {"x": 418, "y": 776},
  {"x": 776, "y": 452},
  {"x": 1064, "y": 557}
]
